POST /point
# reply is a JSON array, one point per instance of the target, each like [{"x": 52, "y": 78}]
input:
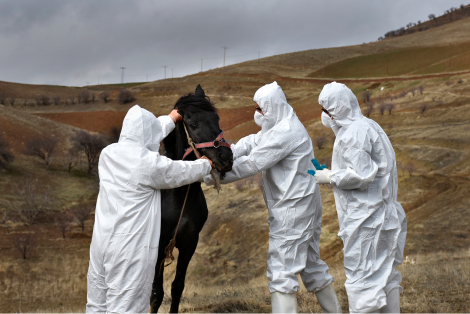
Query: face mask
[
  {"x": 328, "y": 122},
  {"x": 259, "y": 118}
]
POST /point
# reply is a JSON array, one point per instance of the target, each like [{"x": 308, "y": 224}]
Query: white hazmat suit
[
  {"x": 283, "y": 151},
  {"x": 372, "y": 222},
  {"x": 126, "y": 233}
]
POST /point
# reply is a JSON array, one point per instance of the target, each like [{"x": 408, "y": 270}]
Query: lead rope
[
  {"x": 213, "y": 173},
  {"x": 170, "y": 247}
]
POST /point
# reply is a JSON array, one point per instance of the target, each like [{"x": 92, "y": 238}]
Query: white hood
[
  {"x": 272, "y": 101},
  {"x": 341, "y": 103},
  {"x": 141, "y": 127}
]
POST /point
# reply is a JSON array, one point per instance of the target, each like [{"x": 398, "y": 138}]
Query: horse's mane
[
  {"x": 195, "y": 103},
  {"x": 176, "y": 142}
]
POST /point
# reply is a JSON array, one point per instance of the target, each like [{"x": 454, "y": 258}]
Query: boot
[
  {"x": 393, "y": 302},
  {"x": 328, "y": 300},
  {"x": 284, "y": 302}
]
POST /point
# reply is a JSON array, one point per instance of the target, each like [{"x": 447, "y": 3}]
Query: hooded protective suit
[
  {"x": 283, "y": 151},
  {"x": 372, "y": 222},
  {"x": 126, "y": 233}
]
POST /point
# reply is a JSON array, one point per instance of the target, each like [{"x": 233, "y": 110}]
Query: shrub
[
  {"x": 125, "y": 96},
  {"x": 105, "y": 96},
  {"x": 82, "y": 214},
  {"x": 63, "y": 220},
  {"x": 423, "y": 108},
  {"x": 320, "y": 141},
  {"x": 56, "y": 100},
  {"x": 25, "y": 243},
  {"x": 89, "y": 144},
  {"x": 42, "y": 147},
  {"x": 6, "y": 157},
  {"x": 34, "y": 199}
]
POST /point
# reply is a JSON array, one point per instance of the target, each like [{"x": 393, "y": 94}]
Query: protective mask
[
  {"x": 329, "y": 123},
  {"x": 259, "y": 119}
]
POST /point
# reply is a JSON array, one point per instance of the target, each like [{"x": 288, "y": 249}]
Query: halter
[{"x": 219, "y": 141}]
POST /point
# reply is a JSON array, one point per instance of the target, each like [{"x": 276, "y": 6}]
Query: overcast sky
[{"x": 80, "y": 42}]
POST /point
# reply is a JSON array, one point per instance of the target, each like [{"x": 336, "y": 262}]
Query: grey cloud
[{"x": 72, "y": 42}]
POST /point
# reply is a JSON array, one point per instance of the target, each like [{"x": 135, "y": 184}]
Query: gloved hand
[{"x": 322, "y": 176}]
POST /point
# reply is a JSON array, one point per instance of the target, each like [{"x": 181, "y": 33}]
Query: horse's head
[{"x": 202, "y": 122}]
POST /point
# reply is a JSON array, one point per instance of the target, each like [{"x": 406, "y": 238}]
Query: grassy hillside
[{"x": 405, "y": 61}]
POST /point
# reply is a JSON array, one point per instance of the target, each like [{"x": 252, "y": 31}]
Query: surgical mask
[
  {"x": 328, "y": 122},
  {"x": 259, "y": 119}
]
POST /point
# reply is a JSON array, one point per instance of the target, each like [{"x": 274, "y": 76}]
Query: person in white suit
[
  {"x": 126, "y": 234},
  {"x": 283, "y": 151},
  {"x": 365, "y": 182}
]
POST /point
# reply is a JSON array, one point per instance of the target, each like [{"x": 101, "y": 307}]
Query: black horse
[{"x": 202, "y": 121}]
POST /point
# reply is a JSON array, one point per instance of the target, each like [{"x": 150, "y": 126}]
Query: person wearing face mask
[
  {"x": 365, "y": 182},
  {"x": 282, "y": 151}
]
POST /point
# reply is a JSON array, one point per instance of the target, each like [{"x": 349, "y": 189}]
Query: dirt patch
[
  {"x": 15, "y": 134},
  {"x": 96, "y": 121}
]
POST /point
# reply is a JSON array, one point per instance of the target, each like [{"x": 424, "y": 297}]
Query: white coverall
[
  {"x": 126, "y": 234},
  {"x": 283, "y": 151},
  {"x": 372, "y": 222}
]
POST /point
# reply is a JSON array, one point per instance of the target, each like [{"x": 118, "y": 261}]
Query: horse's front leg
[
  {"x": 186, "y": 251},
  {"x": 156, "y": 298}
]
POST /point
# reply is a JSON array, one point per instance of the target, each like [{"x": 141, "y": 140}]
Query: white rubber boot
[
  {"x": 393, "y": 302},
  {"x": 328, "y": 300},
  {"x": 284, "y": 302}
]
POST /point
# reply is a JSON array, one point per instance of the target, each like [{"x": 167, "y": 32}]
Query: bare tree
[
  {"x": 382, "y": 108},
  {"x": 105, "y": 96},
  {"x": 45, "y": 100},
  {"x": 114, "y": 134},
  {"x": 320, "y": 141},
  {"x": 56, "y": 100},
  {"x": 6, "y": 157},
  {"x": 125, "y": 96},
  {"x": 423, "y": 108},
  {"x": 3, "y": 98},
  {"x": 82, "y": 214},
  {"x": 431, "y": 16},
  {"x": 421, "y": 89},
  {"x": 90, "y": 144},
  {"x": 93, "y": 97},
  {"x": 366, "y": 96},
  {"x": 33, "y": 200},
  {"x": 25, "y": 243},
  {"x": 369, "y": 109},
  {"x": 69, "y": 160},
  {"x": 63, "y": 220},
  {"x": 72, "y": 100},
  {"x": 84, "y": 96},
  {"x": 390, "y": 107},
  {"x": 42, "y": 147},
  {"x": 12, "y": 100}
]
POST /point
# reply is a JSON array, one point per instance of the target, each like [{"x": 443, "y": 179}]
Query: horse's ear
[{"x": 200, "y": 91}]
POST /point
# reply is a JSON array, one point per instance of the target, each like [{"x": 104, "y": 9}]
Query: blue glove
[
  {"x": 311, "y": 172},
  {"x": 317, "y": 165}
]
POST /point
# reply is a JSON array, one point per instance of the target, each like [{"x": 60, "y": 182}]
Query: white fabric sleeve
[
  {"x": 169, "y": 174},
  {"x": 166, "y": 125},
  {"x": 359, "y": 169},
  {"x": 244, "y": 146},
  {"x": 261, "y": 157}
]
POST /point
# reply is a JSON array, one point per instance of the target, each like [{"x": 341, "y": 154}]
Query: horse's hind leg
[
  {"x": 184, "y": 257},
  {"x": 156, "y": 298}
]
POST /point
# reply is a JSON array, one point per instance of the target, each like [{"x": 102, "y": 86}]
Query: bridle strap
[{"x": 219, "y": 141}]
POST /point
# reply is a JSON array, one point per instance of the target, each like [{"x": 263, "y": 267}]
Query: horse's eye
[{"x": 193, "y": 126}]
